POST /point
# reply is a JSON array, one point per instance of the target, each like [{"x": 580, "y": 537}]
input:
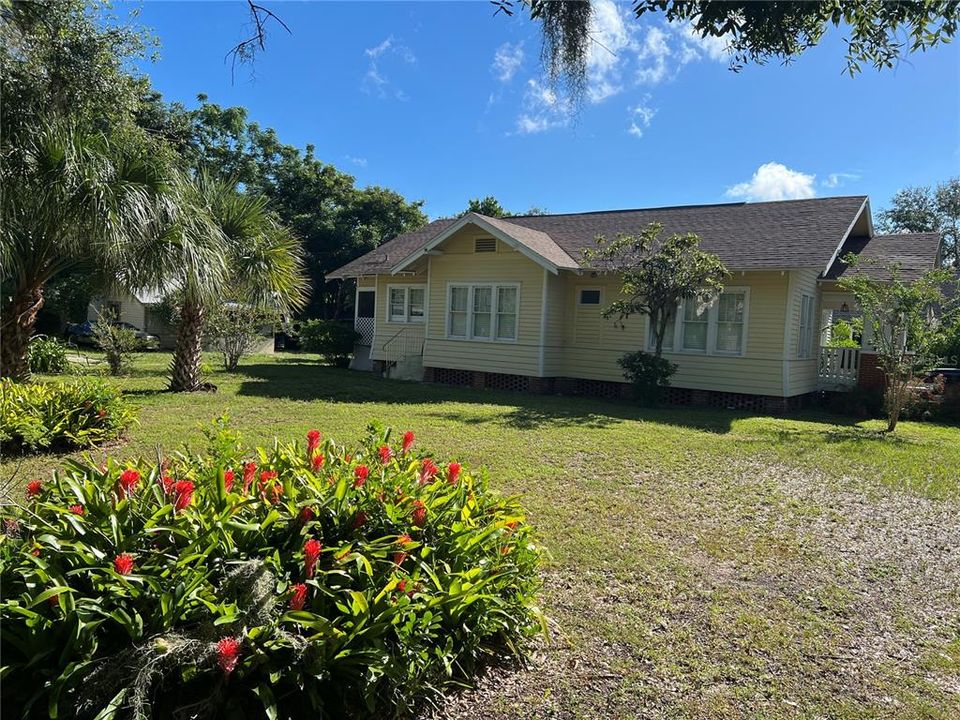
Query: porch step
[{"x": 407, "y": 368}]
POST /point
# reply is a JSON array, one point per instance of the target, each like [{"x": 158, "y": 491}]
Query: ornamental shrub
[
  {"x": 295, "y": 581},
  {"x": 649, "y": 374},
  {"x": 333, "y": 340},
  {"x": 48, "y": 356},
  {"x": 61, "y": 415}
]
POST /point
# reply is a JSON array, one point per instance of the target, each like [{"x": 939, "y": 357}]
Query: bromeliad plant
[
  {"x": 296, "y": 581},
  {"x": 78, "y": 413}
]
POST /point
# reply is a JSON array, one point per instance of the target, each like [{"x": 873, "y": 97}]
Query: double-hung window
[
  {"x": 406, "y": 303},
  {"x": 730, "y": 314},
  {"x": 718, "y": 328},
  {"x": 486, "y": 311}
]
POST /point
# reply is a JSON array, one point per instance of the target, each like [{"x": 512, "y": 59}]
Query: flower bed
[
  {"x": 60, "y": 415},
  {"x": 299, "y": 580}
]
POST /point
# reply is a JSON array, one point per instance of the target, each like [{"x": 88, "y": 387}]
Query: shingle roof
[
  {"x": 746, "y": 236},
  {"x": 537, "y": 240},
  {"x": 915, "y": 253}
]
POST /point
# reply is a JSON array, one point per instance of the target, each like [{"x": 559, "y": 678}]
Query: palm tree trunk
[
  {"x": 185, "y": 369},
  {"x": 16, "y": 330}
]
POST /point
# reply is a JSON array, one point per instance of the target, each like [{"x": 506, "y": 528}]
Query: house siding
[
  {"x": 592, "y": 344},
  {"x": 801, "y": 373},
  {"x": 459, "y": 263}
]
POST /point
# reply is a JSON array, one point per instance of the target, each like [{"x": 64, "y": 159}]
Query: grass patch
[{"x": 704, "y": 564}]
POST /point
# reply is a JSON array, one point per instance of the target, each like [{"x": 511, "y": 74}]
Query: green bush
[
  {"x": 48, "y": 356},
  {"x": 118, "y": 344},
  {"x": 333, "y": 340},
  {"x": 648, "y": 373},
  {"x": 305, "y": 582},
  {"x": 61, "y": 415}
]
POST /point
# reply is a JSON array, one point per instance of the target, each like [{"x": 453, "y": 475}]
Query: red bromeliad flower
[
  {"x": 512, "y": 525},
  {"x": 228, "y": 652},
  {"x": 168, "y": 484},
  {"x": 385, "y": 454},
  {"x": 183, "y": 491},
  {"x": 265, "y": 477},
  {"x": 402, "y": 586},
  {"x": 313, "y": 442},
  {"x": 77, "y": 509},
  {"x": 306, "y": 515},
  {"x": 361, "y": 472},
  {"x": 419, "y": 515},
  {"x": 360, "y": 520},
  {"x": 428, "y": 470},
  {"x": 299, "y": 596},
  {"x": 316, "y": 462},
  {"x": 228, "y": 480},
  {"x": 34, "y": 487},
  {"x": 399, "y": 557},
  {"x": 453, "y": 472},
  {"x": 101, "y": 413},
  {"x": 311, "y": 553},
  {"x": 128, "y": 482},
  {"x": 35, "y": 552},
  {"x": 404, "y": 539},
  {"x": 249, "y": 472},
  {"x": 123, "y": 564},
  {"x": 408, "y": 438}
]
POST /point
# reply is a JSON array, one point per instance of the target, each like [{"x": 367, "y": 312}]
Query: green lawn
[{"x": 704, "y": 564}]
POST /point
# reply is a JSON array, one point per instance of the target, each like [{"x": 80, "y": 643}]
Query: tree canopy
[
  {"x": 927, "y": 209},
  {"x": 335, "y": 219}
]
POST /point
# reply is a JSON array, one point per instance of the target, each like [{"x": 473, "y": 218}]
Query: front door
[{"x": 364, "y": 322}]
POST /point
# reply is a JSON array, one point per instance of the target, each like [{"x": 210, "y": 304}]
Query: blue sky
[{"x": 443, "y": 102}]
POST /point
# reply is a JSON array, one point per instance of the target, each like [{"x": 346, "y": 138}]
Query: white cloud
[
  {"x": 652, "y": 58},
  {"x": 834, "y": 180},
  {"x": 775, "y": 181},
  {"x": 543, "y": 109},
  {"x": 374, "y": 80},
  {"x": 358, "y": 161},
  {"x": 611, "y": 46},
  {"x": 507, "y": 60},
  {"x": 640, "y": 117}
]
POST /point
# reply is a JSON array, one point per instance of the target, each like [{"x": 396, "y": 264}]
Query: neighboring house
[
  {"x": 142, "y": 310},
  {"x": 509, "y": 303}
]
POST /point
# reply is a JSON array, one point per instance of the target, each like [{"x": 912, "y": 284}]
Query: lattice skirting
[{"x": 613, "y": 390}]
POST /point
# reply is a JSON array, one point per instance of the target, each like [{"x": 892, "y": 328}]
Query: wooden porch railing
[{"x": 838, "y": 367}]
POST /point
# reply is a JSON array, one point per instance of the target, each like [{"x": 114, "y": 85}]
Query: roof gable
[{"x": 535, "y": 244}]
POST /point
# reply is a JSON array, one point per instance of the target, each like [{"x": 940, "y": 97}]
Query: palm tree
[
  {"x": 221, "y": 245},
  {"x": 68, "y": 196}
]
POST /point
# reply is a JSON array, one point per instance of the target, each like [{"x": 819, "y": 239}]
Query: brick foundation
[
  {"x": 870, "y": 376},
  {"x": 614, "y": 390}
]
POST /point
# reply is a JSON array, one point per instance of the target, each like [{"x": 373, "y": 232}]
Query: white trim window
[
  {"x": 406, "y": 303},
  {"x": 717, "y": 329},
  {"x": 805, "y": 336},
  {"x": 483, "y": 311}
]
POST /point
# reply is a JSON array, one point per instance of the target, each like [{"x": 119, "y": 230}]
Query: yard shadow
[{"x": 311, "y": 381}]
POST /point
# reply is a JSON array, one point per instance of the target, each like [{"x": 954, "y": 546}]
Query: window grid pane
[
  {"x": 458, "y": 310},
  {"x": 416, "y": 303},
  {"x": 694, "y": 327},
  {"x": 507, "y": 313},
  {"x": 398, "y": 304}
]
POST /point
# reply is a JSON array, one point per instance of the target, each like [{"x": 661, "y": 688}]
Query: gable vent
[{"x": 485, "y": 245}]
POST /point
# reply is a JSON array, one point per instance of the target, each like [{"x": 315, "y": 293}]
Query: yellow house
[{"x": 509, "y": 302}]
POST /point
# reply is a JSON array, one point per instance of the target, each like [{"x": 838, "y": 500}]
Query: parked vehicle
[
  {"x": 951, "y": 376},
  {"x": 82, "y": 334}
]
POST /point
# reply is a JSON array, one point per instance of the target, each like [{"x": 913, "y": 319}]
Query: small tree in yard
[
  {"x": 117, "y": 342},
  {"x": 236, "y": 329},
  {"x": 656, "y": 276},
  {"x": 899, "y": 315}
]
